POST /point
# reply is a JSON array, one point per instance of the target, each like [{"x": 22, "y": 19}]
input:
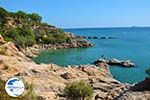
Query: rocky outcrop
[
  {"x": 139, "y": 91},
  {"x": 142, "y": 86},
  {"x": 9, "y": 49},
  {"x": 68, "y": 75},
  {"x": 103, "y": 37},
  {"x": 94, "y": 37},
  {"x": 74, "y": 42},
  {"x": 130, "y": 95},
  {"x": 114, "y": 61},
  {"x": 49, "y": 80}
]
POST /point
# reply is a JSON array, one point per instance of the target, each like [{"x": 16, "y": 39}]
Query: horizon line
[{"x": 107, "y": 27}]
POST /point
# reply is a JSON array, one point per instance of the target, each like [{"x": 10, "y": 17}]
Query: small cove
[{"x": 130, "y": 43}]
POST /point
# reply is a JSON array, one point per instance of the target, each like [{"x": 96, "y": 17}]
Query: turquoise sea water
[{"x": 131, "y": 43}]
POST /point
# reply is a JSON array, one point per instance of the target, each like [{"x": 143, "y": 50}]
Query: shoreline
[
  {"x": 49, "y": 80},
  {"x": 31, "y": 36},
  {"x": 75, "y": 42},
  {"x": 20, "y": 66}
]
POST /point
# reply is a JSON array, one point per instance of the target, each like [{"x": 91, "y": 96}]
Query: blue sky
[{"x": 86, "y": 13}]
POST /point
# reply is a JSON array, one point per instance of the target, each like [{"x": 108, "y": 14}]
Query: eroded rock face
[
  {"x": 68, "y": 75},
  {"x": 139, "y": 91},
  {"x": 142, "y": 86},
  {"x": 50, "y": 80},
  {"x": 10, "y": 49},
  {"x": 1, "y": 38}
]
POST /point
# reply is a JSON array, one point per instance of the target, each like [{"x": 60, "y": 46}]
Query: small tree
[
  {"x": 35, "y": 17},
  {"x": 79, "y": 90},
  {"x": 21, "y": 14},
  {"x": 3, "y": 13}
]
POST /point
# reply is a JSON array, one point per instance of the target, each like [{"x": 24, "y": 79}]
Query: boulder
[
  {"x": 100, "y": 61},
  {"x": 142, "y": 86},
  {"x": 127, "y": 63},
  {"x": 100, "y": 96},
  {"x": 114, "y": 62},
  {"x": 68, "y": 75},
  {"x": 9, "y": 48},
  {"x": 70, "y": 35}
]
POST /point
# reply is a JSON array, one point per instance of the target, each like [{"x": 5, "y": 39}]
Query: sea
[{"x": 130, "y": 43}]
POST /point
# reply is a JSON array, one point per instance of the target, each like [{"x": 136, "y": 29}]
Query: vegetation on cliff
[
  {"x": 27, "y": 29},
  {"x": 79, "y": 90}
]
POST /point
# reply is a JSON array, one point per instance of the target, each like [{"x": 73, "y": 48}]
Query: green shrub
[
  {"x": 79, "y": 90},
  {"x": 3, "y": 14},
  {"x": 2, "y": 51},
  {"x": 54, "y": 38},
  {"x": 35, "y": 17},
  {"x": 21, "y": 14},
  {"x": 29, "y": 95},
  {"x": 22, "y": 37},
  {"x": 27, "y": 29}
]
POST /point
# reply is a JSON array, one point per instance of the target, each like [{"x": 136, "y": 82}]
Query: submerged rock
[
  {"x": 111, "y": 37},
  {"x": 94, "y": 37},
  {"x": 103, "y": 38}
]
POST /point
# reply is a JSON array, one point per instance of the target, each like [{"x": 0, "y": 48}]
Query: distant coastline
[{"x": 106, "y": 27}]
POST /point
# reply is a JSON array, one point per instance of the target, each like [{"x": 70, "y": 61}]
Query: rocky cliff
[{"x": 49, "y": 80}]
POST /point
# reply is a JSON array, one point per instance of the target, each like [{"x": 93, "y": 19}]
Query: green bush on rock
[
  {"x": 54, "y": 38},
  {"x": 22, "y": 37},
  {"x": 27, "y": 29},
  {"x": 79, "y": 90}
]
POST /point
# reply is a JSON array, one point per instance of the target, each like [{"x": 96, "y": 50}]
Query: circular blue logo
[{"x": 14, "y": 87}]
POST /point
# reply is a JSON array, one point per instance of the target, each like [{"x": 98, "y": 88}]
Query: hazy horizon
[{"x": 107, "y": 27}]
